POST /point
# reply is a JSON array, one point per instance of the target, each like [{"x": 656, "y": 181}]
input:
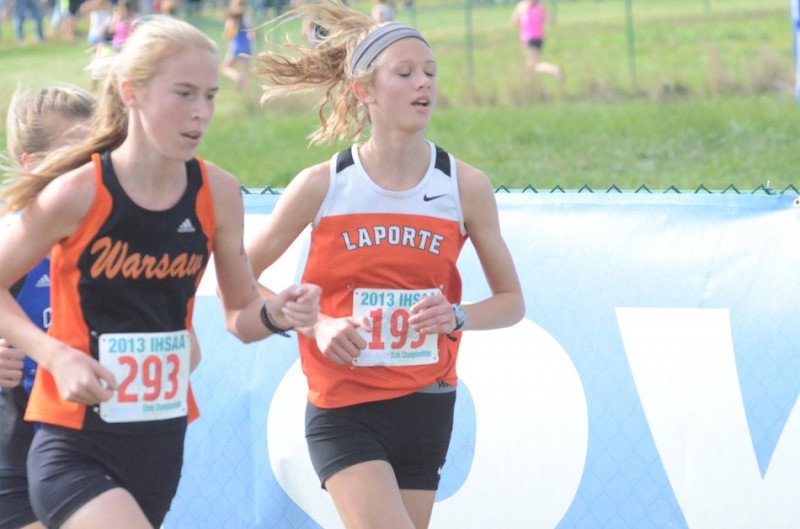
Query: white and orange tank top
[{"x": 374, "y": 252}]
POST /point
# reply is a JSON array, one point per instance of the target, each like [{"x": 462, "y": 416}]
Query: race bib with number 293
[{"x": 152, "y": 370}]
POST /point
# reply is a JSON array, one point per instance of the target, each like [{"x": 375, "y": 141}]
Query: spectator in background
[
  {"x": 122, "y": 22},
  {"x": 238, "y": 31},
  {"x": 167, "y": 8},
  {"x": 109, "y": 27},
  {"x": 99, "y": 12},
  {"x": 312, "y": 33},
  {"x": 24, "y": 9},
  {"x": 58, "y": 12},
  {"x": 530, "y": 17},
  {"x": 382, "y": 11},
  {"x": 70, "y": 18}
]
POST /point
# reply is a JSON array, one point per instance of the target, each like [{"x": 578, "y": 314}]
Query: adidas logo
[
  {"x": 186, "y": 227},
  {"x": 43, "y": 282}
]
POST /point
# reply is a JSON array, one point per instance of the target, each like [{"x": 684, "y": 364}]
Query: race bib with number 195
[
  {"x": 392, "y": 341},
  {"x": 152, "y": 370}
]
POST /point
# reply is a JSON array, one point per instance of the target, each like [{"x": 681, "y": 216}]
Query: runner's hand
[
  {"x": 338, "y": 339},
  {"x": 432, "y": 315},
  {"x": 80, "y": 378},
  {"x": 296, "y": 306},
  {"x": 10, "y": 365}
]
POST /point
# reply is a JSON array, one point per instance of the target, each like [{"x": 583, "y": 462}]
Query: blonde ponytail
[{"x": 293, "y": 68}]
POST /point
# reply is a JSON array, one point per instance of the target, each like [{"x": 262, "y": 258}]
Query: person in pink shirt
[
  {"x": 531, "y": 16},
  {"x": 122, "y": 23}
]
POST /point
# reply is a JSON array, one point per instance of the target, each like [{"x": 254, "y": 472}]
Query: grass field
[{"x": 690, "y": 93}]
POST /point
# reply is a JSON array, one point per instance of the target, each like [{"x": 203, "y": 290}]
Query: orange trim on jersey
[
  {"x": 193, "y": 412},
  {"x": 46, "y": 404},
  {"x": 205, "y": 212},
  {"x": 208, "y": 221}
]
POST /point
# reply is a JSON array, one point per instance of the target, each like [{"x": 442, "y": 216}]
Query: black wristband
[{"x": 269, "y": 324}]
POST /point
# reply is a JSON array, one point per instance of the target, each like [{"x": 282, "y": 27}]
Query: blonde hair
[
  {"x": 155, "y": 39},
  {"x": 325, "y": 64},
  {"x": 28, "y": 127}
]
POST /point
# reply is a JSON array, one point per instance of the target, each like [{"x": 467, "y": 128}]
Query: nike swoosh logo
[{"x": 426, "y": 198}]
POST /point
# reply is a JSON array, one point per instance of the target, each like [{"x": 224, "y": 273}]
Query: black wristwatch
[{"x": 461, "y": 317}]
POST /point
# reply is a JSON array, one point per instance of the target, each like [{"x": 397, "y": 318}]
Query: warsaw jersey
[
  {"x": 128, "y": 276},
  {"x": 375, "y": 252}
]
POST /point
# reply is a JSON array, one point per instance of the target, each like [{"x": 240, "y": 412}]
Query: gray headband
[{"x": 377, "y": 41}]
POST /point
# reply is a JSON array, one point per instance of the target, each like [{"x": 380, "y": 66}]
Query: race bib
[
  {"x": 392, "y": 341},
  {"x": 152, "y": 370}
]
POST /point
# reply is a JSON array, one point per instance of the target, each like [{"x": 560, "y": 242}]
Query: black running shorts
[
  {"x": 68, "y": 468},
  {"x": 411, "y": 433},
  {"x": 16, "y": 436},
  {"x": 15, "y": 509}
]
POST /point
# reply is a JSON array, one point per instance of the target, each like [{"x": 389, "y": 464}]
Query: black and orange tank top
[{"x": 126, "y": 269}]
